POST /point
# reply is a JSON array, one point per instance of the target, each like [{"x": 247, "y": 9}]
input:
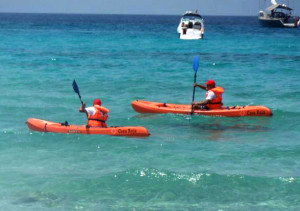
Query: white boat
[
  {"x": 191, "y": 26},
  {"x": 278, "y": 15}
]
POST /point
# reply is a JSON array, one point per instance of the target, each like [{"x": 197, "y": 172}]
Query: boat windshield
[
  {"x": 192, "y": 17},
  {"x": 280, "y": 13}
]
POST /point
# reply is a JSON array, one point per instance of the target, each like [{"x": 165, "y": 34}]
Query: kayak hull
[
  {"x": 141, "y": 106},
  {"x": 47, "y": 126}
]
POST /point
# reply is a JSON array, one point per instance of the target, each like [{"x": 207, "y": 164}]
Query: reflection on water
[
  {"x": 222, "y": 127},
  {"x": 212, "y": 127},
  {"x": 216, "y": 130},
  {"x": 47, "y": 199}
]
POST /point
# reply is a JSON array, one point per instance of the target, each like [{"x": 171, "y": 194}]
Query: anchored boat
[
  {"x": 191, "y": 26},
  {"x": 278, "y": 15}
]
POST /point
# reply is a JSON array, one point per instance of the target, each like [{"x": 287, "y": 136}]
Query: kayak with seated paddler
[
  {"x": 142, "y": 106},
  {"x": 46, "y": 126}
]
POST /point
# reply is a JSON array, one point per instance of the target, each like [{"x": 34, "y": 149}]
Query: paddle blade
[
  {"x": 196, "y": 63},
  {"x": 75, "y": 87}
]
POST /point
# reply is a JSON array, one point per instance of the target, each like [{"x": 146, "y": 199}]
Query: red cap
[
  {"x": 210, "y": 82},
  {"x": 97, "y": 102}
]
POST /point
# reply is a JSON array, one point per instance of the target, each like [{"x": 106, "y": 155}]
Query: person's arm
[
  {"x": 82, "y": 109},
  {"x": 201, "y": 103},
  {"x": 200, "y": 86},
  {"x": 104, "y": 110},
  {"x": 210, "y": 96}
]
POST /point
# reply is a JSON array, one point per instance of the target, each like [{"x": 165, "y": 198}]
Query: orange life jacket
[
  {"x": 217, "y": 102},
  {"x": 99, "y": 117}
]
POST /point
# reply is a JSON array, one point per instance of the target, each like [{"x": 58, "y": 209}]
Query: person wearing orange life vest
[
  {"x": 97, "y": 115},
  {"x": 213, "y": 96}
]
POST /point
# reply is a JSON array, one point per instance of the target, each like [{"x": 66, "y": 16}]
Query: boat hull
[
  {"x": 279, "y": 23},
  {"x": 191, "y": 36},
  {"x": 47, "y": 126},
  {"x": 271, "y": 23},
  {"x": 141, "y": 106}
]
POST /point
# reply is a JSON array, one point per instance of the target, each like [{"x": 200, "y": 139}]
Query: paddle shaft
[
  {"x": 194, "y": 88},
  {"x": 80, "y": 99},
  {"x": 76, "y": 90}
]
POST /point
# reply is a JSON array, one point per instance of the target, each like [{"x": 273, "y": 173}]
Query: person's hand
[
  {"x": 82, "y": 108},
  {"x": 195, "y": 84}
]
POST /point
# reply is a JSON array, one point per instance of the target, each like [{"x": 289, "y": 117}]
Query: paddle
[
  {"x": 76, "y": 89},
  {"x": 195, "y": 67}
]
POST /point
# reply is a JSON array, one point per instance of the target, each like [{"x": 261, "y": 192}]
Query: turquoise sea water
[{"x": 198, "y": 163}]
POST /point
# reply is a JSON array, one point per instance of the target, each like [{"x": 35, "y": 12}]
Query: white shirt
[
  {"x": 210, "y": 95},
  {"x": 91, "y": 111}
]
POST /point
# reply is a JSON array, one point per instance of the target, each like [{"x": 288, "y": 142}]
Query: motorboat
[
  {"x": 191, "y": 26},
  {"x": 278, "y": 15}
]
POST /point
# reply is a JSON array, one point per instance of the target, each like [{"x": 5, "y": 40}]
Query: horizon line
[{"x": 71, "y": 13}]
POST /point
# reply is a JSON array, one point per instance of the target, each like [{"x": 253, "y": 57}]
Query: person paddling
[
  {"x": 213, "y": 96},
  {"x": 97, "y": 115}
]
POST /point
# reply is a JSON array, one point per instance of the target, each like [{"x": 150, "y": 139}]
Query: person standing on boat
[
  {"x": 213, "y": 96},
  {"x": 97, "y": 115}
]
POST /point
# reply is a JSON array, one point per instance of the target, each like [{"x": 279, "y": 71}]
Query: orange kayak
[
  {"x": 46, "y": 126},
  {"x": 229, "y": 111}
]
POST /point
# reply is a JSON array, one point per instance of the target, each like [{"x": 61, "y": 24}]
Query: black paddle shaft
[
  {"x": 80, "y": 99},
  {"x": 76, "y": 89},
  {"x": 194, "y": 88}
]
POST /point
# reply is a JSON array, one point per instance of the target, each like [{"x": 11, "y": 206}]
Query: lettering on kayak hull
[
  {"x": 127, "y": 131},
  {"x": 74, "y": 131},
  {"x": 255, "y": 113}
]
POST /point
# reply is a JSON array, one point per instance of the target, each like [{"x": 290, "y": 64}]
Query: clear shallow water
[{"x": 206, "y": 163}]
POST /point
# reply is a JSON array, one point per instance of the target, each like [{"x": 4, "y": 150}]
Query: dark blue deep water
[{"x": 198, "y": 163}]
